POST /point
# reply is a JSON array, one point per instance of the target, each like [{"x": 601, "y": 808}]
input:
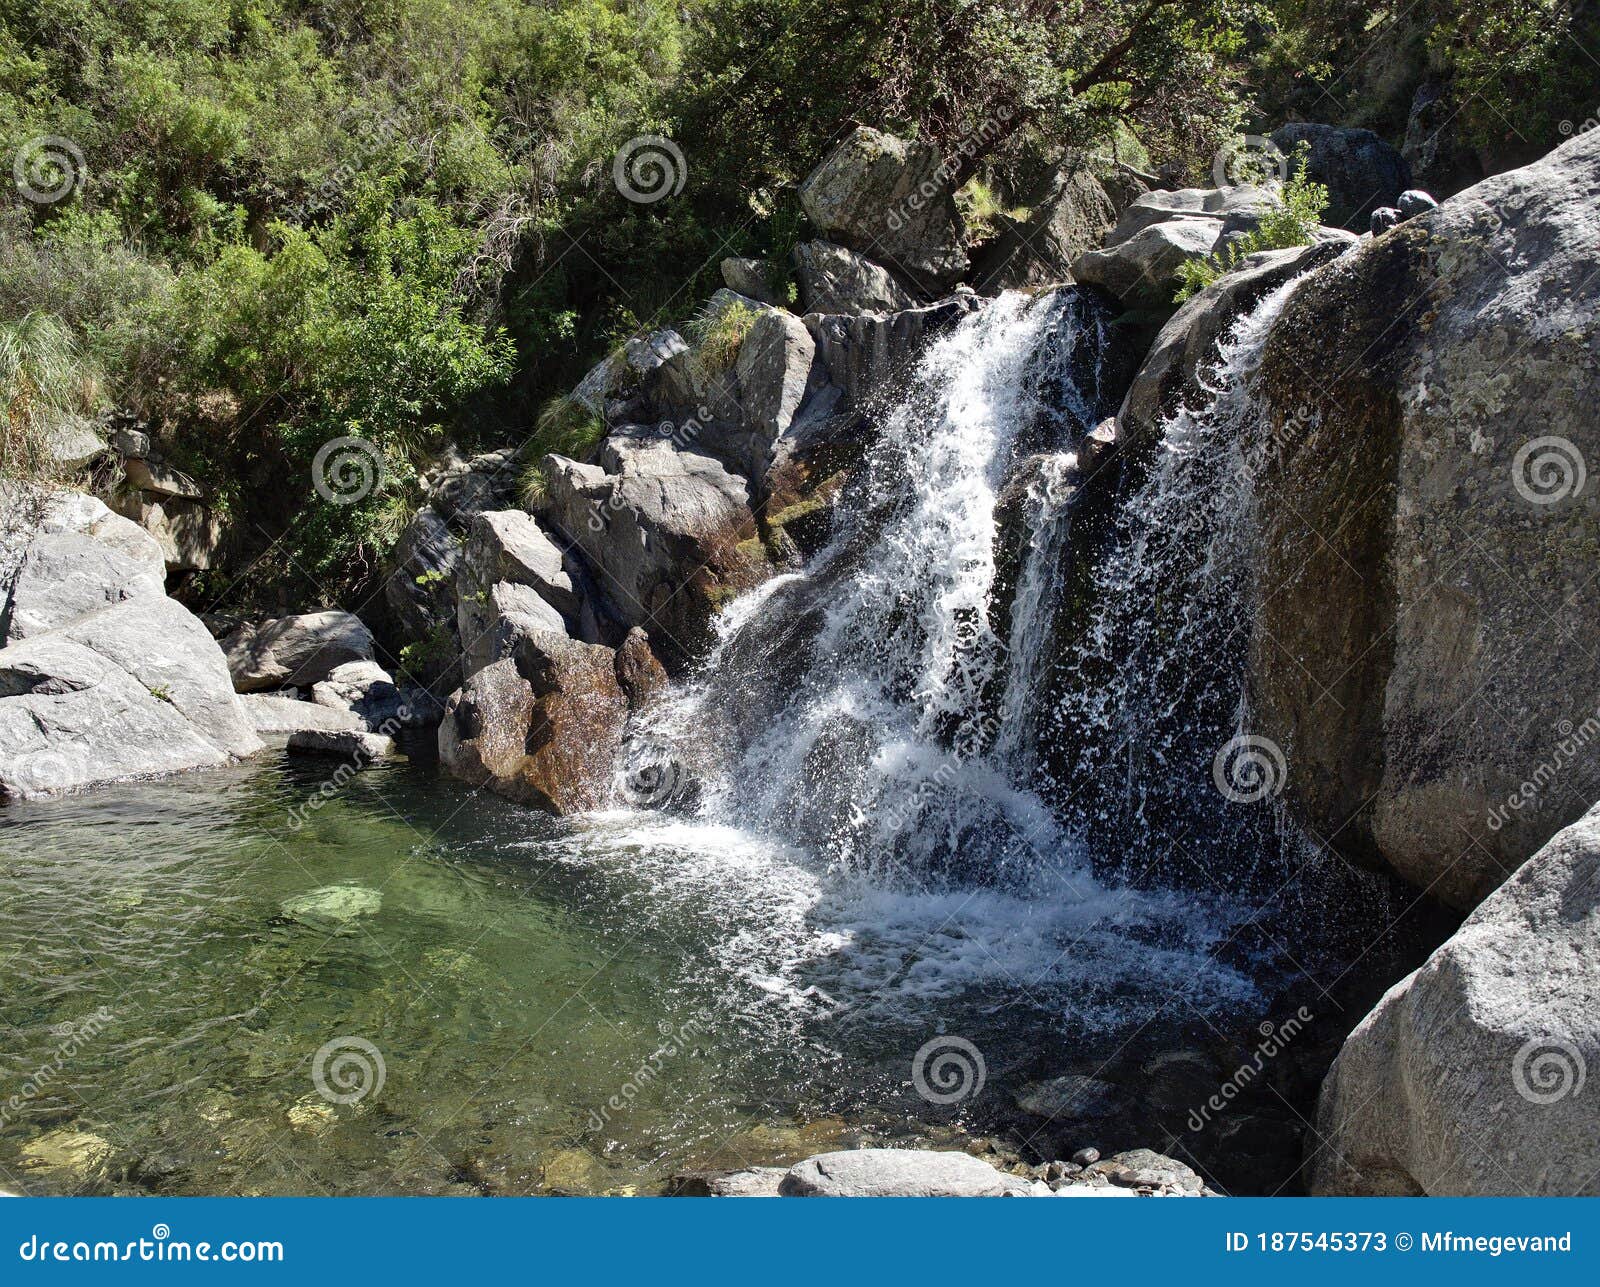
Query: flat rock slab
[
  {"x": 893, "y": 1173},
  {"x": 275, "y": 716},
  {"x": 350, "y": 744}
]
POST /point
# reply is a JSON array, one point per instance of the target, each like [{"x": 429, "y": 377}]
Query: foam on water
[{"x": 854, "y": 778}]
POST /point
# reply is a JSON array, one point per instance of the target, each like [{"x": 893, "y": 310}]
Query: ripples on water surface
[{"x": 515, "y": 975}]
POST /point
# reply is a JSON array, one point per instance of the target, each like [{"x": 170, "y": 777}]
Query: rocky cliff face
[{"x": 1429, "y": 532}]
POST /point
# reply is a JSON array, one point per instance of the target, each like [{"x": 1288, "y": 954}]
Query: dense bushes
[{"x": 395, "y": 219}]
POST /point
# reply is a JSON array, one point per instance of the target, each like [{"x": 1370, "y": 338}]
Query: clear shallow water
[{"x": 516, "y": 976}]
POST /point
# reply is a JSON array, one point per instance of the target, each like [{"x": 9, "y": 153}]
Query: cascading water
[
  {"x": 879, "y": 719},
  {"x": 1150, "y": 721},
  {"x": 869, "y": 705}
]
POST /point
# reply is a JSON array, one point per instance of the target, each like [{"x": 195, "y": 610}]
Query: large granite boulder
[
  {"x": 542, "y": 726},
  {"x": 1470, "y": 1077},
  {"x": 419, "y": 587},
  {"x": 138, "y": 688},
  {"x": 367, "y": 691},
  {"x": 1429, "y": 532},
  {"x": 858, "y": 356},
  {"x": 294, "y": 652},
  {"x": 1073, "y": 216},
  {"x": 511, "y": 575},
  {"x": 835, "y": 280},
  {"x": 892, "y": 200},
  {"x": 1236, "y": 207},
  {"x": 669, "y": 532},
  {"x": 1439, "y": 159},
  {"x": 491, "y": 621},
  {"x": 1361, "y": 171},
  {"x": 1186, "y": 346},
  {"x": 1142, "y": 271},
  {"x": 76, "y": 558}
]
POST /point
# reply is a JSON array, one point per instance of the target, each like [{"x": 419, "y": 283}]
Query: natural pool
[{"x": 584, "y": 1007}]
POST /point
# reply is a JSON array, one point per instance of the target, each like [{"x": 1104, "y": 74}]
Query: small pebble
[{"x": 1086, "y": 1156}]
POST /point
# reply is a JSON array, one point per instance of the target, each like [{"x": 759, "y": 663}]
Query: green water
[
  {"x": 175, "y": 953},
  {"x": 204, "y": 977}
]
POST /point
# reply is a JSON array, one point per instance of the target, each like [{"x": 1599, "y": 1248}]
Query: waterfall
[
  {"x": 924, "y": 769},
  {"x": 1151, "y": 720},
  {"x": 878, "y": 704}
]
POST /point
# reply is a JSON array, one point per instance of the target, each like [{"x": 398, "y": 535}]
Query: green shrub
[{"x": 1292, "y": 220}]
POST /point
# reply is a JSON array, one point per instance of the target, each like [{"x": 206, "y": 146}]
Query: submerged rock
[
  {"x": 1470, "y": 1077},
  {"x": 1073, "y": 1098},
  {"x": 336, "y": 903},
  {"x": 66, "y": 1159}
]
